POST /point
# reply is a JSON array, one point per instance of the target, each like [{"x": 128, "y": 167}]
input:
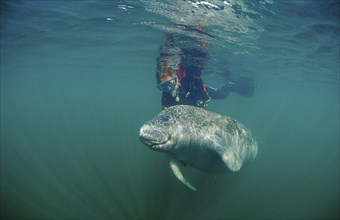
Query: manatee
[{"x": 199, "y": 138}]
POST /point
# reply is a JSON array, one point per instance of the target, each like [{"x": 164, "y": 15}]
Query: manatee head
[{"x": 158, "y": 134}]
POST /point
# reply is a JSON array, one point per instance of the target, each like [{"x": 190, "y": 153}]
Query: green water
[{"x": 76, "y": 87}]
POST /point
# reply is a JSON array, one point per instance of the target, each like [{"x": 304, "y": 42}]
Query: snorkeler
[{"x": 180, "y": 66}]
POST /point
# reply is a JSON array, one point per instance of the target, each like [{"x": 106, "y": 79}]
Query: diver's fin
[
  {"x": 232, "y": 161},
  {"x": 243, "y": 86},
  {"x": 174, "y": 164}
]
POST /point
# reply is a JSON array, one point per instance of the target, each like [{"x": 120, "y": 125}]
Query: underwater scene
[{"x": 79, "y": 80}]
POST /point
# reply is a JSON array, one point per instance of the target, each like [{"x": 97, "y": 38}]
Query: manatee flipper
[
  {"x": 174, "y": 164},
  {"x": 232, "y": 160}
]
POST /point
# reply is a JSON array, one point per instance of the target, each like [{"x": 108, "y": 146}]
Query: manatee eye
[{"x": 164, "y": 118}]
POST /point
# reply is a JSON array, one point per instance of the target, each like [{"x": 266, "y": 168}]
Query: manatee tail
[{"x": 174, "y": 164}]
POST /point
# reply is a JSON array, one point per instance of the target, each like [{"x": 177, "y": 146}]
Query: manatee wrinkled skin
[{"x": 202, "y": 139}]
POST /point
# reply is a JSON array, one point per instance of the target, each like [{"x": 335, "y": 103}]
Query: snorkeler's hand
[{"x": 202, "y": 104}]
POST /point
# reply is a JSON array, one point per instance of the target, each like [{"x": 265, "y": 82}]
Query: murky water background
[{"x": 78, "y": 81}]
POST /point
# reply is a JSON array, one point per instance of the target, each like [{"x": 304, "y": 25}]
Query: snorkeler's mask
[{"x": 170, "y": 86}]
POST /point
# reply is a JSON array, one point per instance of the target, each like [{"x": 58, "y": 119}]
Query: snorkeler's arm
[
  {"x": 243, "y": 86},
  {"x": 218, "y": 93}
]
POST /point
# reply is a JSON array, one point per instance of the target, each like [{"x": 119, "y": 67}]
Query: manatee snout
[{"x": 153, "y": 137}]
